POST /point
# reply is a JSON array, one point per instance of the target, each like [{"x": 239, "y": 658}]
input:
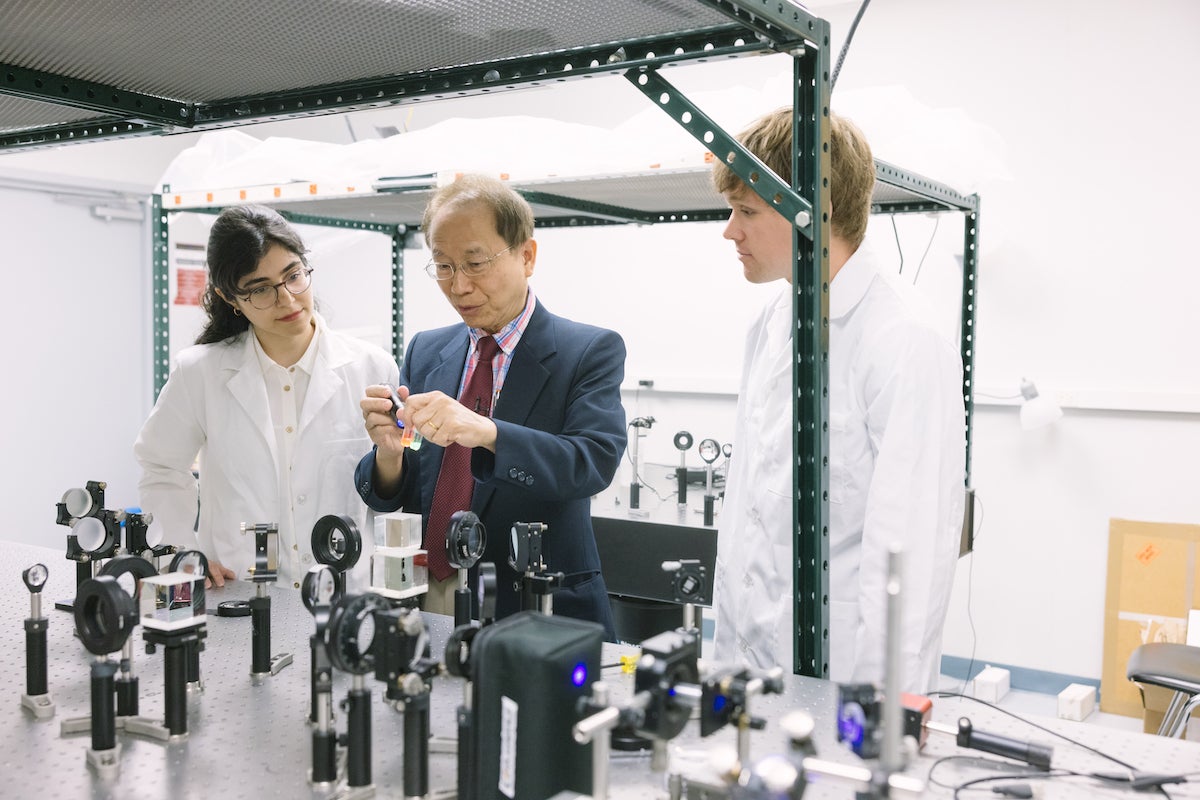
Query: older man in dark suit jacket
[{"x": 546, "y": 433}]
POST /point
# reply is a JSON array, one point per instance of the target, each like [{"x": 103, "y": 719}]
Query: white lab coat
[
  {"x": 753, "y": 580},
  {"x": 215, "y": 404},
  {"x": 897, "y": 464}
]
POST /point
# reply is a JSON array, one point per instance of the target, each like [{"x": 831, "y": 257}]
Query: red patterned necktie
[{"x": 455, "y": 484}]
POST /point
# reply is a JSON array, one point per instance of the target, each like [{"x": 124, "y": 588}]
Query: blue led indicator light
[{"x": 579, "y": 674}]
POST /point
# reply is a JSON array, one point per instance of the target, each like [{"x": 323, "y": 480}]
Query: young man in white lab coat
[{"x": 897, "y": 447}]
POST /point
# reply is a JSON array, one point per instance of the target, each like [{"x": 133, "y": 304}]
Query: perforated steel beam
[
  {"x": 465, "y": 81},
  {"x": 48, "y": 87}
]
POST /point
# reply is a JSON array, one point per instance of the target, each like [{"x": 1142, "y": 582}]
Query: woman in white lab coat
[{"x": 268, "y": 400}]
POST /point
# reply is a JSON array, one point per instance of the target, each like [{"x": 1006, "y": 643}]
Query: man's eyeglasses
[
  {"x": 264, "y": 297},
  {"x": 444, "y": 270}
]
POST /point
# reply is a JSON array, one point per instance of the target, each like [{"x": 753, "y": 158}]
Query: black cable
[
  {"x": 899, "y": 249},
  {"x": 1039, "y": 727},
  {"x": 936, "y": 221},
  {"x": 846, "y": 45},
  {"x": 1015, "y": 771},
  {"x": 1062, "y": 773}
]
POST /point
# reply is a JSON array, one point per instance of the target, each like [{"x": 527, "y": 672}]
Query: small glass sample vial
[{"x": 410, "y": 438}]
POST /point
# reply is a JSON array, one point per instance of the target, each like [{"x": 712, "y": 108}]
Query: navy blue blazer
[{"x": 560, "y": 438}]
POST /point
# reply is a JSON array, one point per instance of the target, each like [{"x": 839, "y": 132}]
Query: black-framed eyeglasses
[
  {"x": 263, "y": 297},
  {"x": 444, "y": 270}
]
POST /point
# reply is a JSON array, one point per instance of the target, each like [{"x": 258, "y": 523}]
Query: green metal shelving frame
[{"x": 88, "y": 104}]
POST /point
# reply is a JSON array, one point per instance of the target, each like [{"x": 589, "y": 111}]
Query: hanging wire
[
  {"x": 933, "y": 235},
  {"x": 899, "y": 249},
  {"x": 846, "y": 45}
]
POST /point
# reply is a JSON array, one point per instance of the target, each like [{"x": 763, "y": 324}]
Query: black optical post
[
  {"x": 709, "y": 450},
  {"x": 683, "y": 443},
  {"x": 128, "y": 571},
  {"x": 192, "y": 562},
  {"x": 319, "y": 593},
  {"x": 264, "y": 571},
  {"x": 105, "y": 615},
  {"x": 351, "y": 636},
  {"x": 37, "y": 696},
  {"x": 173, "y": 617},
  {"x": 635, "y": 487},
  {"x": 402, "y": 662},
  {"x": 466, "y": 539},
  {"x": 458, "y": 664}
]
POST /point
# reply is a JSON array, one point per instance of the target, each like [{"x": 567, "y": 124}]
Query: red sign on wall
[{"x": 190, "y": 286}]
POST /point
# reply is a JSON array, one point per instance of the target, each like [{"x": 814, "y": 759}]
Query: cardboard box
[
  {"x": 1156, "y": 699},
  {"x": 1151, "y": 587}
]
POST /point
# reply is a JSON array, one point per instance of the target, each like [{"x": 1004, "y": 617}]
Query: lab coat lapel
[
  {"x": 326, "y": 381},
  {"x": 249, "y": 390}
]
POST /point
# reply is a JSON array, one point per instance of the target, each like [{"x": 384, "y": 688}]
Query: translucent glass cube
[
  {"x": 172, "y": 601},
  {"x": 398, "y": 529},
  {"x": 394, "y": 573}
]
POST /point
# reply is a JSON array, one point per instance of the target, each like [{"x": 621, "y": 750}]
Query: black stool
[{"x": 1171, "y": 666}]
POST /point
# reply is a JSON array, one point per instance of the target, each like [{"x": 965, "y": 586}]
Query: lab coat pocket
[{"x": 339, "y": 457}]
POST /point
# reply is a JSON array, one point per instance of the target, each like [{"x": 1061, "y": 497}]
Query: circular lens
[
  {"x": 319, "y": 587},
  {"x": 709, "y": 450},
  {"x": 35, "y": 577},
  {"x": 486, "y": 590},
  {"x": 129, "y": 570},
  {"x": 78, "y": 502},
  {"x": 727, "y": 450},
  {"x": 104, "y": 615},
  {"x": 128, "y": 583},
  {"x": 336, "y": 542},
  {"x": 154, "y": 535},
  {"x": 352, "y": 631},
  {"x": 366, "y": 632},
  {"x": 191, "y": 562},
  {"x": 465, "y": 540},
  {"x": 90, "y": 533}
]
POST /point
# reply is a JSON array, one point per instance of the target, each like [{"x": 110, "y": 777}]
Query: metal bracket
[{"x": 774, "y": 191}]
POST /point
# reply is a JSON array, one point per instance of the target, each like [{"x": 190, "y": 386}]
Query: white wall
[
  {"x": 1083, "y": 119},
  {"x": 76, "y": 336}
]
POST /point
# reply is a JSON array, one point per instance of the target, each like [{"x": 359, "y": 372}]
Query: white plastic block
[
  {"x": 1076, "y": 701},
  {"x": 991, "y": 684}
]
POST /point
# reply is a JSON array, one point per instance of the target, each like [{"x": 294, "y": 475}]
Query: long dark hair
[{"x": 239, "y": 239}]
